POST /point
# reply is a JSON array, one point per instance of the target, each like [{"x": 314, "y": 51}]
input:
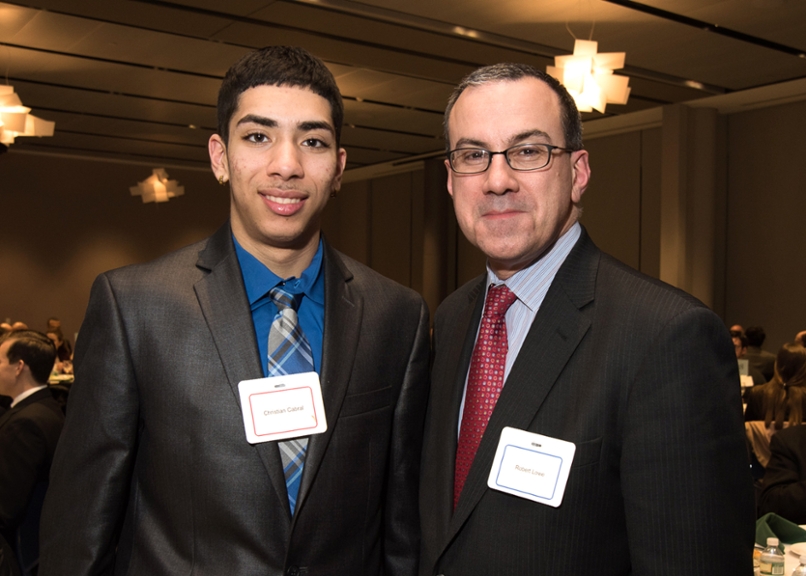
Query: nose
[
  {"x": 285, "y": 160},
  {"x": 500, "y": 178}
]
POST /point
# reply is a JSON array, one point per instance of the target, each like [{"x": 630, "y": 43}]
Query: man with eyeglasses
[{"x": 583, "y": 417}]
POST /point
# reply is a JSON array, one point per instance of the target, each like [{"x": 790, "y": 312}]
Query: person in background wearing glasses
[{"x": 583, "y": 417}]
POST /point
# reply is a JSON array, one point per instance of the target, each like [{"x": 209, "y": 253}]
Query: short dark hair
[
  {"x": 278, "y": 66},
  {"x": 507, "y": 71},
  {"x": 739, "y": 336},
  {"x": 755, "y": 336},
  {"x": 33, "y": 348}
]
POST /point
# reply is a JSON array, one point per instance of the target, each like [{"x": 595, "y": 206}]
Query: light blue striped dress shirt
[{"x": 530, "y": 285}]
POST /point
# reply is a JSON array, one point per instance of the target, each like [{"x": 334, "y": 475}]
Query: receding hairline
[
  {"x": 570, "y": 119},
  {"x": 471, "y": 87}
]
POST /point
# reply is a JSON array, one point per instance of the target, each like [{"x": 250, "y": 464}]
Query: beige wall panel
[
  {"x": 470, "y": 261},
  {"x": 612, "y": 203},
  {"x": 346, "y": 221},
  {"x": 766, "y": 258},
  {"x": 650, "y": 201},
  {"x": 67, "y": 220},
  {"x": 418, "y": 204},
  {"x": 391, "y": 223}
]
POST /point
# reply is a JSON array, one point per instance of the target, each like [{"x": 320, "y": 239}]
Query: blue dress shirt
[{"x": 259, "y": 280}]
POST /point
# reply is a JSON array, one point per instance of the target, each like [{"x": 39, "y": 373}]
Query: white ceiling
[{"x": 137, "y": 80}]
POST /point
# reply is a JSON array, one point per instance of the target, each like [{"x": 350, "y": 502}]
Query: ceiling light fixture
[
  {"x": 157, "y": 187},
  {"x": 589, "y": 77},
  {"x": 16, "y": 121}
]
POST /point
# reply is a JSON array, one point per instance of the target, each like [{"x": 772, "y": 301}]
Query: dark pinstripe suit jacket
[
  {"x": 154, "y": 476},
  {"x": 642, "y": 378}
]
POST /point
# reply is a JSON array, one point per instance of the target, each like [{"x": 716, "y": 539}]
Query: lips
[
  {"x": 284, "y": 205},
  {"x": 501, "y": 213},
  {"x": 281, "y": 200}
]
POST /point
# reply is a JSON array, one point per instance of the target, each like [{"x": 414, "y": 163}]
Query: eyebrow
[
  {"x": 254, "y": 119},
  {"x": 271, "y": 123},
  {"x": 517, "y": 138}
]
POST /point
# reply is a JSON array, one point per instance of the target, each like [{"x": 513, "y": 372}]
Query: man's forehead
[
  {"x": 6, "y": 345},
  {"x": 534, "y": 90},
  {"x": 506, "y": 110}
]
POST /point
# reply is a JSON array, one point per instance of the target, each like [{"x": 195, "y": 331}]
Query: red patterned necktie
[{"x": 484, "y": 382}]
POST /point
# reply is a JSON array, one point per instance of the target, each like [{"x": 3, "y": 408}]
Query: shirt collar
[
  {"x": 531, "y": 283},
  {"x": 258, "y": 279},
  {"x": 29, "y": 392}
]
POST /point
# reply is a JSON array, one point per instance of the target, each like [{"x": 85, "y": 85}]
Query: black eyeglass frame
[{"x": 491, "y": 153}]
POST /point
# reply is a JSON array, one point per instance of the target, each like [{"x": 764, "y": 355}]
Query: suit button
[{"x": 292, "y": 571}]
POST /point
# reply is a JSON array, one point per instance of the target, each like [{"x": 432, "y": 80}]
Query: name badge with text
[
  {"x": 282, "y": 407},
  {"x": 531, "y": 466}
]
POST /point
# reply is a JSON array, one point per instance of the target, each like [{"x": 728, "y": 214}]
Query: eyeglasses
[{"x": 523, "y": 158}]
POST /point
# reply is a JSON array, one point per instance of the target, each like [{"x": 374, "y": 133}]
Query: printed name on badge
[
  {"x": 282, "y": 407},
  {"x": 531, "y": 466}
]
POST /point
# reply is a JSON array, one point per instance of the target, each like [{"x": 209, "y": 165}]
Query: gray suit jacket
[
  {"x": 154, "y": 475},
  {"x": 643, "y": 380}
]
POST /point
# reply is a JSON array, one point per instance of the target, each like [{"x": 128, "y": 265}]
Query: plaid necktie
[
  {"x": 289, "y": 353},
  {"x": 484, "y": 382}
]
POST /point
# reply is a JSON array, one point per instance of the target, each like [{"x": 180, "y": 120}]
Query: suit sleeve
[
  {"x": 784, "y": 483},
  {"x": 91, "y": 473},
  {"x": 401, "y": 518},
  {"x": 685, "y": 474},
  {"x": 24, "y": 451}
]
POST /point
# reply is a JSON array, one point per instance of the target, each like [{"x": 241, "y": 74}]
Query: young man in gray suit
[
  {"x": 155, "y": 475},
  {"x": 583, "y": 418}
]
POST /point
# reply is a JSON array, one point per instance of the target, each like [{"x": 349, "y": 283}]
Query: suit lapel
[
  {"x": 343, "y": 314},
  {"x": 555, "y": 333},
  {"x": 223, "y": 301},
  {"x": 454, "y": 357}
]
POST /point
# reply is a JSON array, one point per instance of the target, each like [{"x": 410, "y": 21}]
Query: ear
[
  {"x": 581, "y": 174},
  {"x": 218, "y": 157},
  {"x": 19, "y": 367},
  {"x": 341, "y": 162},
  {"x": 450, "y": 178}
]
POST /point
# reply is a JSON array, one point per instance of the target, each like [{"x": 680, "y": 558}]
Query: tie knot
[
  {"x": 284, "y": 299},
  {"x": 499, "y": 299}
]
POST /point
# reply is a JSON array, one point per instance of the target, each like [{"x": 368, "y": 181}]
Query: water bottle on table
[{"x": 772, "y": 559}]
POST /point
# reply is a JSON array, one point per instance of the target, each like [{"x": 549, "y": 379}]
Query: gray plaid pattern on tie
[{"x": 289, "y": 353}]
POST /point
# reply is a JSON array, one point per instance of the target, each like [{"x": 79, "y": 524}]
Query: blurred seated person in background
[
  {"x": 785, "y": 481},
  {"x": 56, "y": 324},
  {"x": 778, "y": 403},
  {"x": 736, "y": 329},
  {"x": 800, "y": 338},
  {"x": 762, "y": 360},
  {"x": 782, "y": 399},
  {"x": 740, "y": 345},
  {"x": 30, "y": 429},
  {"x": 64, "y": 354}
]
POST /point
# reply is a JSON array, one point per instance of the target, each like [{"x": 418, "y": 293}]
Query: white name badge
[
  {"x": 282, "y": 407},
  {"x": 531, "y": 466}
]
